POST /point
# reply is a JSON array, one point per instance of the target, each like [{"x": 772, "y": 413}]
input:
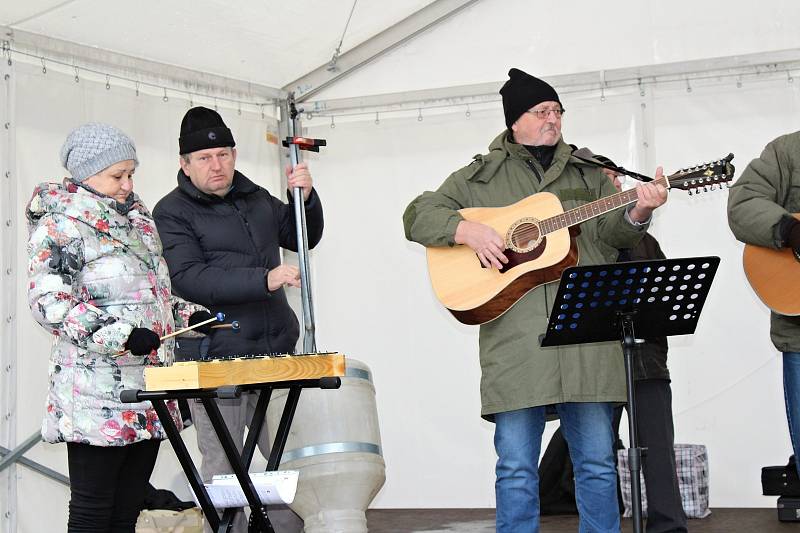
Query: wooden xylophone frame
[
  {"x": 240, "y": 463},
  {"x": 243, "y": 370}
]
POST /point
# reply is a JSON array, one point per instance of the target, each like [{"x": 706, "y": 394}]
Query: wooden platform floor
[{"x": 727, "y": 520}]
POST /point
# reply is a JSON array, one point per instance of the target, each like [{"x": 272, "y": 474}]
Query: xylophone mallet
[
  {"x": 234, "y": 325},
  {"x": 219, "y": 318}
]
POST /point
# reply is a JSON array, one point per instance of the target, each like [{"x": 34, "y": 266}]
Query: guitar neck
[{"x": 580, "y": 214}]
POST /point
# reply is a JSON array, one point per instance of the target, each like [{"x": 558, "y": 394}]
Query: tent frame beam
[
  {"x": 748, "y": 64},
  {"x": 171, "y": 76},
  {"x": 415, "y": 24}
]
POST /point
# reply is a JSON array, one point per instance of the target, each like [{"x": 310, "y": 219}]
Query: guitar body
[
  {"x": 774, "y": 275},
  {"x": 475, "y": 294},
  {"x": 540, "y": 243}
]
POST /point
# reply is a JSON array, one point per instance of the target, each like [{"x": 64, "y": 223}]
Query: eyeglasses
[{"x": 544, "y": 113}]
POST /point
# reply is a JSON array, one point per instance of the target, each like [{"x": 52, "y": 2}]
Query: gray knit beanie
[{"x": 92, "y": 147}]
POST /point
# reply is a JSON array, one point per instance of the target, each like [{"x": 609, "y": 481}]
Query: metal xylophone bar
[{"x": 231, "y": 357}]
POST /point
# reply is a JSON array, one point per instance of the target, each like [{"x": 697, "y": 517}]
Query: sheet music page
[{"x": 272, "y": 487}]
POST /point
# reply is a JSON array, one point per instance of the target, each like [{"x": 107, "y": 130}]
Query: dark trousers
[
  {"x": 656, "y": 433},
  {"x": 108, "y": 485}
]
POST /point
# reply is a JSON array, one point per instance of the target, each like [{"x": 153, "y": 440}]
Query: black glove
[
  {"x": 790, "y": 231},
  {"x": 794, "y": 236},
  {"x": 142, "y": 341},
  {"x": 201, "y": 316}
]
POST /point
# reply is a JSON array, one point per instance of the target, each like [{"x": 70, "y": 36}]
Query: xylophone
[
  {"x": 229, "y": 377},
  {"x": 244, "y": 370}
]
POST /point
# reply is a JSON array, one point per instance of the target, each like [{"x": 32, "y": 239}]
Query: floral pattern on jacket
[{"x": 94, "y": 275}]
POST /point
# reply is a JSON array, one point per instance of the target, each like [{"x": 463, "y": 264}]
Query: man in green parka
[
  {"x": 760, "y": 207},
  {"x": 520, "y": 379}
]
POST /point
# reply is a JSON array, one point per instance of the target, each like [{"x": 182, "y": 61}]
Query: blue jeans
[
  {"x": 791, "y": 394},
  {"x": 518, "y": 441}
]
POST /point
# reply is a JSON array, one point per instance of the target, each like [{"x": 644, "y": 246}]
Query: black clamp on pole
[
  {"x": 302, "y": 143},
  {"x": 305, "y": 143}
]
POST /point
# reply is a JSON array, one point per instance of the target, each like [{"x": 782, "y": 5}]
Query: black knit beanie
[
  {"x": 203, "y": 128},
  {"x": 523, "y": 91}
]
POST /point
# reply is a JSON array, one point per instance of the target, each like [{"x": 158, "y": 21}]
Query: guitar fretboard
[{"x": 585, "y": 212}]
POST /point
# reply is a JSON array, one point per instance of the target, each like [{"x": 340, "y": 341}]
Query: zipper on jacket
[
  {"x": 531, "y": 166},
  {"x": 232, "y": 203},
  {"x": 264, "y": 311}
]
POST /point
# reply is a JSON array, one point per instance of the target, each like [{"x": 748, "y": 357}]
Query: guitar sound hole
[{"x": 525, "y": 236}]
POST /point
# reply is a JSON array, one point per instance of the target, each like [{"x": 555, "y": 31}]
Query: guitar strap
[{"x": 587, "y": 156}]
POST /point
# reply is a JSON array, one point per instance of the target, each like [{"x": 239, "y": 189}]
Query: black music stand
[
  {"x": 603, "y": 303},
  {"x": 240, "y": 464}
]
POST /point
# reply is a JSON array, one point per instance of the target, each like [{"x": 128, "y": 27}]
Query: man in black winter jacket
[{"x": 222, "y": 236}]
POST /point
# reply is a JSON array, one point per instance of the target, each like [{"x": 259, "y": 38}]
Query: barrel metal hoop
[
  {"x": 331, "y": 447},
  {"x": 359, "y": 373}
]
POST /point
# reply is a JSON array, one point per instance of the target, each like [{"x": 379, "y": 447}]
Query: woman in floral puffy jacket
[{"x": 99, "y": 284}]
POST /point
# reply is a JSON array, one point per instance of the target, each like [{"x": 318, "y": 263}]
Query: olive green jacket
[
  {"x": 516, "y": 372},
  {"x": 767, "y": 190}
]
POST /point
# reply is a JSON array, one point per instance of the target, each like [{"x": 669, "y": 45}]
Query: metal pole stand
[
  {"x": 295, "y": 144},
  {"x": 634, "y": 451}
]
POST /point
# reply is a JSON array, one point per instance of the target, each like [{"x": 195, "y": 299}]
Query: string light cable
[{"x": 134, "y": 84}]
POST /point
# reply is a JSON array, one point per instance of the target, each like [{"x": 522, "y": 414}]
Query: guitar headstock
[{"x": 703, "y": 177}]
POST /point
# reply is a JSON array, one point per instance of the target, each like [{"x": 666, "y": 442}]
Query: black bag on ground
[
  {"x": 557, "y": 478},
  {"x": 780, "y": 480}
]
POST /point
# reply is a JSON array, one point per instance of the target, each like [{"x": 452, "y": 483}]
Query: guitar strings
[
  {"x": 529, "y": 232},
  {"x": 576, "y": 213}
]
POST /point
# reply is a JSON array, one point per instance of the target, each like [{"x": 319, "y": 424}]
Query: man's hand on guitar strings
[
  {"x": 649, "y": 197},
  {"x": 484, "y": 241}
]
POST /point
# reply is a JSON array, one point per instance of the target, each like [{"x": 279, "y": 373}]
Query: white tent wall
[
  {"x": 46, "y": 108},
  {"x": 374, "y": 300}
]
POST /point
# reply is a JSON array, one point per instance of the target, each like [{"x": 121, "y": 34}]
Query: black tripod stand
[{"x": 604, "y": 302}]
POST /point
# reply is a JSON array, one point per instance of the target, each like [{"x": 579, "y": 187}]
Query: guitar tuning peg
[{"x": 690, "y": 192}]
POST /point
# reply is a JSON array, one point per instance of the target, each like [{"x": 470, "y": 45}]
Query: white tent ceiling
[
  {"x": 254, "y": 40},
  {"x": 258, "y": 50}
]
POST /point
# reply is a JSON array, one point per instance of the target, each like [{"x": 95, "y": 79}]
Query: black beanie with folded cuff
[
  {"x": 203, "y": 128},
  {"x": 522, "y": 92}
]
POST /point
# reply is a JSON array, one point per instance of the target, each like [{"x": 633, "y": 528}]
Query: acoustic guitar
[
  {"x": 773, "y": 275},
  {"x": 539, "y": 244}
]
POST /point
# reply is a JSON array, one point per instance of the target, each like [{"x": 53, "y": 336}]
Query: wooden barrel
[{"x": 335, "y": 444}]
